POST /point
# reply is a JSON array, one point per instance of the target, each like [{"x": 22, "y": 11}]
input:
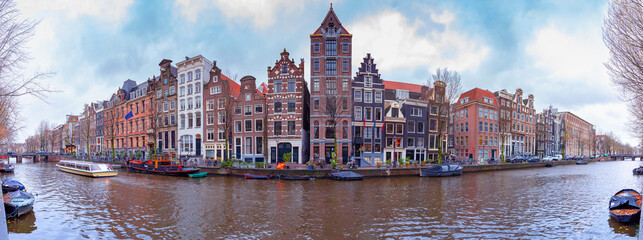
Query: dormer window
[
  {"x": 284, "y": 68},
  {"x": 402, "y": 94}
]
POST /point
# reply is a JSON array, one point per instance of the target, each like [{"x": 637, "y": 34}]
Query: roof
[
  {"x": 263, "y": 88},
  {"x": 234, "y": 87},
  {"x": 331, "y": 16},
  {"x": 478, "y": 94},
  {"x": 403, "y": 86}
]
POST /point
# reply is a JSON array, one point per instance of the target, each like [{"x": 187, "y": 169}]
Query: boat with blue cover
[
  {"x": 441, "y": 170},
  {"x": 625, "y": 206},
  {"x": 255, "y": 176},
  {"x": 346, "y": 176}
]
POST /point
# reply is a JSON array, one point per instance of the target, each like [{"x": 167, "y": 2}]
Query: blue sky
[{"x": 552, "y": 49}]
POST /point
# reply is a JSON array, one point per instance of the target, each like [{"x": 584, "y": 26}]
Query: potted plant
[
  {"x": 388, "y": 162},
  {"x": 310, "y": 164},
  {"x": 400, "y": 162},
  {"x": 379, "y": 164},
  {"x": 333, "y": 164},
  {"x": 407, "y": 161}
]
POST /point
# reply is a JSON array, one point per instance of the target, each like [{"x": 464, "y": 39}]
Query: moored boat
[
  {"x": 625, "y": 206},
  {"x": 346, "y": 175},
  {"x": 255, "y": 176},
  {"x": 638, "y": 171},
  {"x": 10, "y": 185},
  {"x": 581, "y": 162},
  {"x": 17, "y": 203},
  {"x": 5, "y": 166},
  {"x": 289, "y": 177},
  {"x": 160, "y": 164},
  {"x": 549, "y": 165},
  {"x": 198, "y": 175},
  {"x": 87, "y": 169},
  {"x": 441, "y": 170}
]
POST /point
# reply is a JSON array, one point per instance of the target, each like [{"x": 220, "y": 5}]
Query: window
[
  {"x": 221, "y": 117},
  {"x": 420, "y": 127},
  {"x": 331, "y": 67},
  {"x": 182, "y": 78},
  {"x": 210, "y": 135},
  {"x": 172, "y": 119},
  {"x": 410, "y": 142},
  {"x": 182, "y": 104},
  {"x": 420, "y": 142},
  {"x": 278, "y": 106},
  {"x": 368, "y": 82},
  {"x": 182, "y": 121},
  {"x": 378, "y": 114},
  {"x": 172, "y": 105},
  {"x": 358, "y": 113},
  {"x": 358, "y": 96},
  {"x": 190, "y": 89},
  {"x": 278, "y": 86},
  {"x": 190, "y": 103},
  {"x": 316, "y": 65},
  {"x": 197, "y": 102},
  {"x": 165, "y": 106},
  {"x": 237, "y": 110},
  {"x": 331, "y": 48},
  {"x": 291, "y": 105},
  {"x": 247, "y": 110},
  {"x": 316, "y": 103},
  {"x": 316, "y": 46},
  {"x": 197, "y": 88},
  {"x": 248, "y": 147},
  {"x": 248, "y": 97},
  {"x": 190, "y": 76},
  {"x": 159, "y": 94},
  {"x": 248, "y": 124},
  {"x": 315, "y": 84},
  {"x": 237, "y": 126},
  {"x": 345, "y": 85},
  {"x": 316, "y": 130},
  {"x": 433, "y": 125},
  {"x": 486, "y": 127},
  {"x": 259, "y": 108},
  {"x": 190, "y": 120},
  {"x": 434, "y": 110},
  {"x": 345, "y": 65},
  {"x": 480, "y": 113},
  {"x": 284, "y": 68},
  {"x": 198, "y": 74},
  {"x": 291, "y": 128},
  {"x": 410, "y": 126},
  {"x": 480, "y": 126},
  {"x": 368, "y": 96},
  {"x": 259, "y": 145},
  {"x": 378, "y": 97},
  {"x": 291, "y": 85},
  {"x": 221, "y": 103},
  {"x": 395, "y": 112},
  {"x": 416, "y": 112},
  {"x": 258, "y": 125},
  {"x": 402, "y": 94},
  {"x": 399, "y": 128},
  {"x": 368, "y": 114},
  {"x": 345, "y": 46},
  {"x": 210, "y": 104},
  {"x": 181, "y": 91},
  {"x": 277, "y": 128},
  {"x": 389, "y": 128},
  {"x": 198, "y": 120}
]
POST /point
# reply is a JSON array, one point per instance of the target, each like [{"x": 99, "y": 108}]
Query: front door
[
  {"x": 329, "y": 153},
  {"x": 345, "y": 154},
  {"x": 283, "y": 148}
]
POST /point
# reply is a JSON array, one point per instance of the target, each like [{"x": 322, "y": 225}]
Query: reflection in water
[
  {"x": 24, "y": 224},
  {"x": 547, "y": 203},
  {"x": 625, "y": 229}
]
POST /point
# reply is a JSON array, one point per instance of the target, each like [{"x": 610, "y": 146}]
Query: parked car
[
  {"x": 548, "y": 159},
  {"x": 533, "y": 159},
  {"x": 516, "y": 159}
]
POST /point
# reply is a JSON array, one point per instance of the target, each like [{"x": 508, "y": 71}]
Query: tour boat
[
  {"x": 346, "y": 175},
  {"x": 17, "y": 203},
  {"x": 88, "y": 169},
  {"x": 160, "y": 164},
  {"x": 638, "y": 171},
  {"x": 625, "y": 206},
  {"x": 289, "y": 177},
  {"x": 442, "y": 170},
  {"x": 254, "y": 176},
  {"x": 198, "y": 175}
]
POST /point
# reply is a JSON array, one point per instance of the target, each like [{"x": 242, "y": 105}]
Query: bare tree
[
  {"x": 43, "y": 133},
  {"x": 623, "y": 35},
  {"x": 230, "y": 103},
  {"x": 336, "y": 107},
  {"x": 9, "y": 119},
  {"x": 452, "y": 90}
]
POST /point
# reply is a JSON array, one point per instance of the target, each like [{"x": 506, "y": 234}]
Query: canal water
[{"x": 545, "y": 203}]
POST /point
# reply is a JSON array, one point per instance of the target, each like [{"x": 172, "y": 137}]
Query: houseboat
[
  {"x": 160, "y": 164},
  {"x": 88, "y": 169}
]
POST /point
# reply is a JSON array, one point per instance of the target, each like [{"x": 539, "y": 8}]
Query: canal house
[
  {"x": 368, "y": 114},
  {"x": 249, "y": 120},
  {"x": 288, "y": 109}
]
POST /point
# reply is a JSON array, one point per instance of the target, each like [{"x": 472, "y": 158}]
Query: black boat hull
[
  {"x": 171, "y": 171},
  {"x": 286, "y": 177},
  {"x": 346, "y": 176},
  {"x": 17, "y": 211},
  {"x": 440, "y": 174},
  {"x": 626, "y": 218}
]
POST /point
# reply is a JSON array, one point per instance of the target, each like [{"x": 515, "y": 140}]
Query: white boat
[{"x": 88, "y": 169}]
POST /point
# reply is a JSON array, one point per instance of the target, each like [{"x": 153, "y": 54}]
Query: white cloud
[
  {"x": 106, "y": 10},
  {"x": 261, "y": 14},
  {"x": 568, "y": 55},
  {"x": 397, "y": 43}
]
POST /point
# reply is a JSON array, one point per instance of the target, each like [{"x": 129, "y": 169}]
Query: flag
[{"x": 129, "y": 115}]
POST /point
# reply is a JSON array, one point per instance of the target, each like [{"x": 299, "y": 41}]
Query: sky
[{"x": 551, "y": 49}]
